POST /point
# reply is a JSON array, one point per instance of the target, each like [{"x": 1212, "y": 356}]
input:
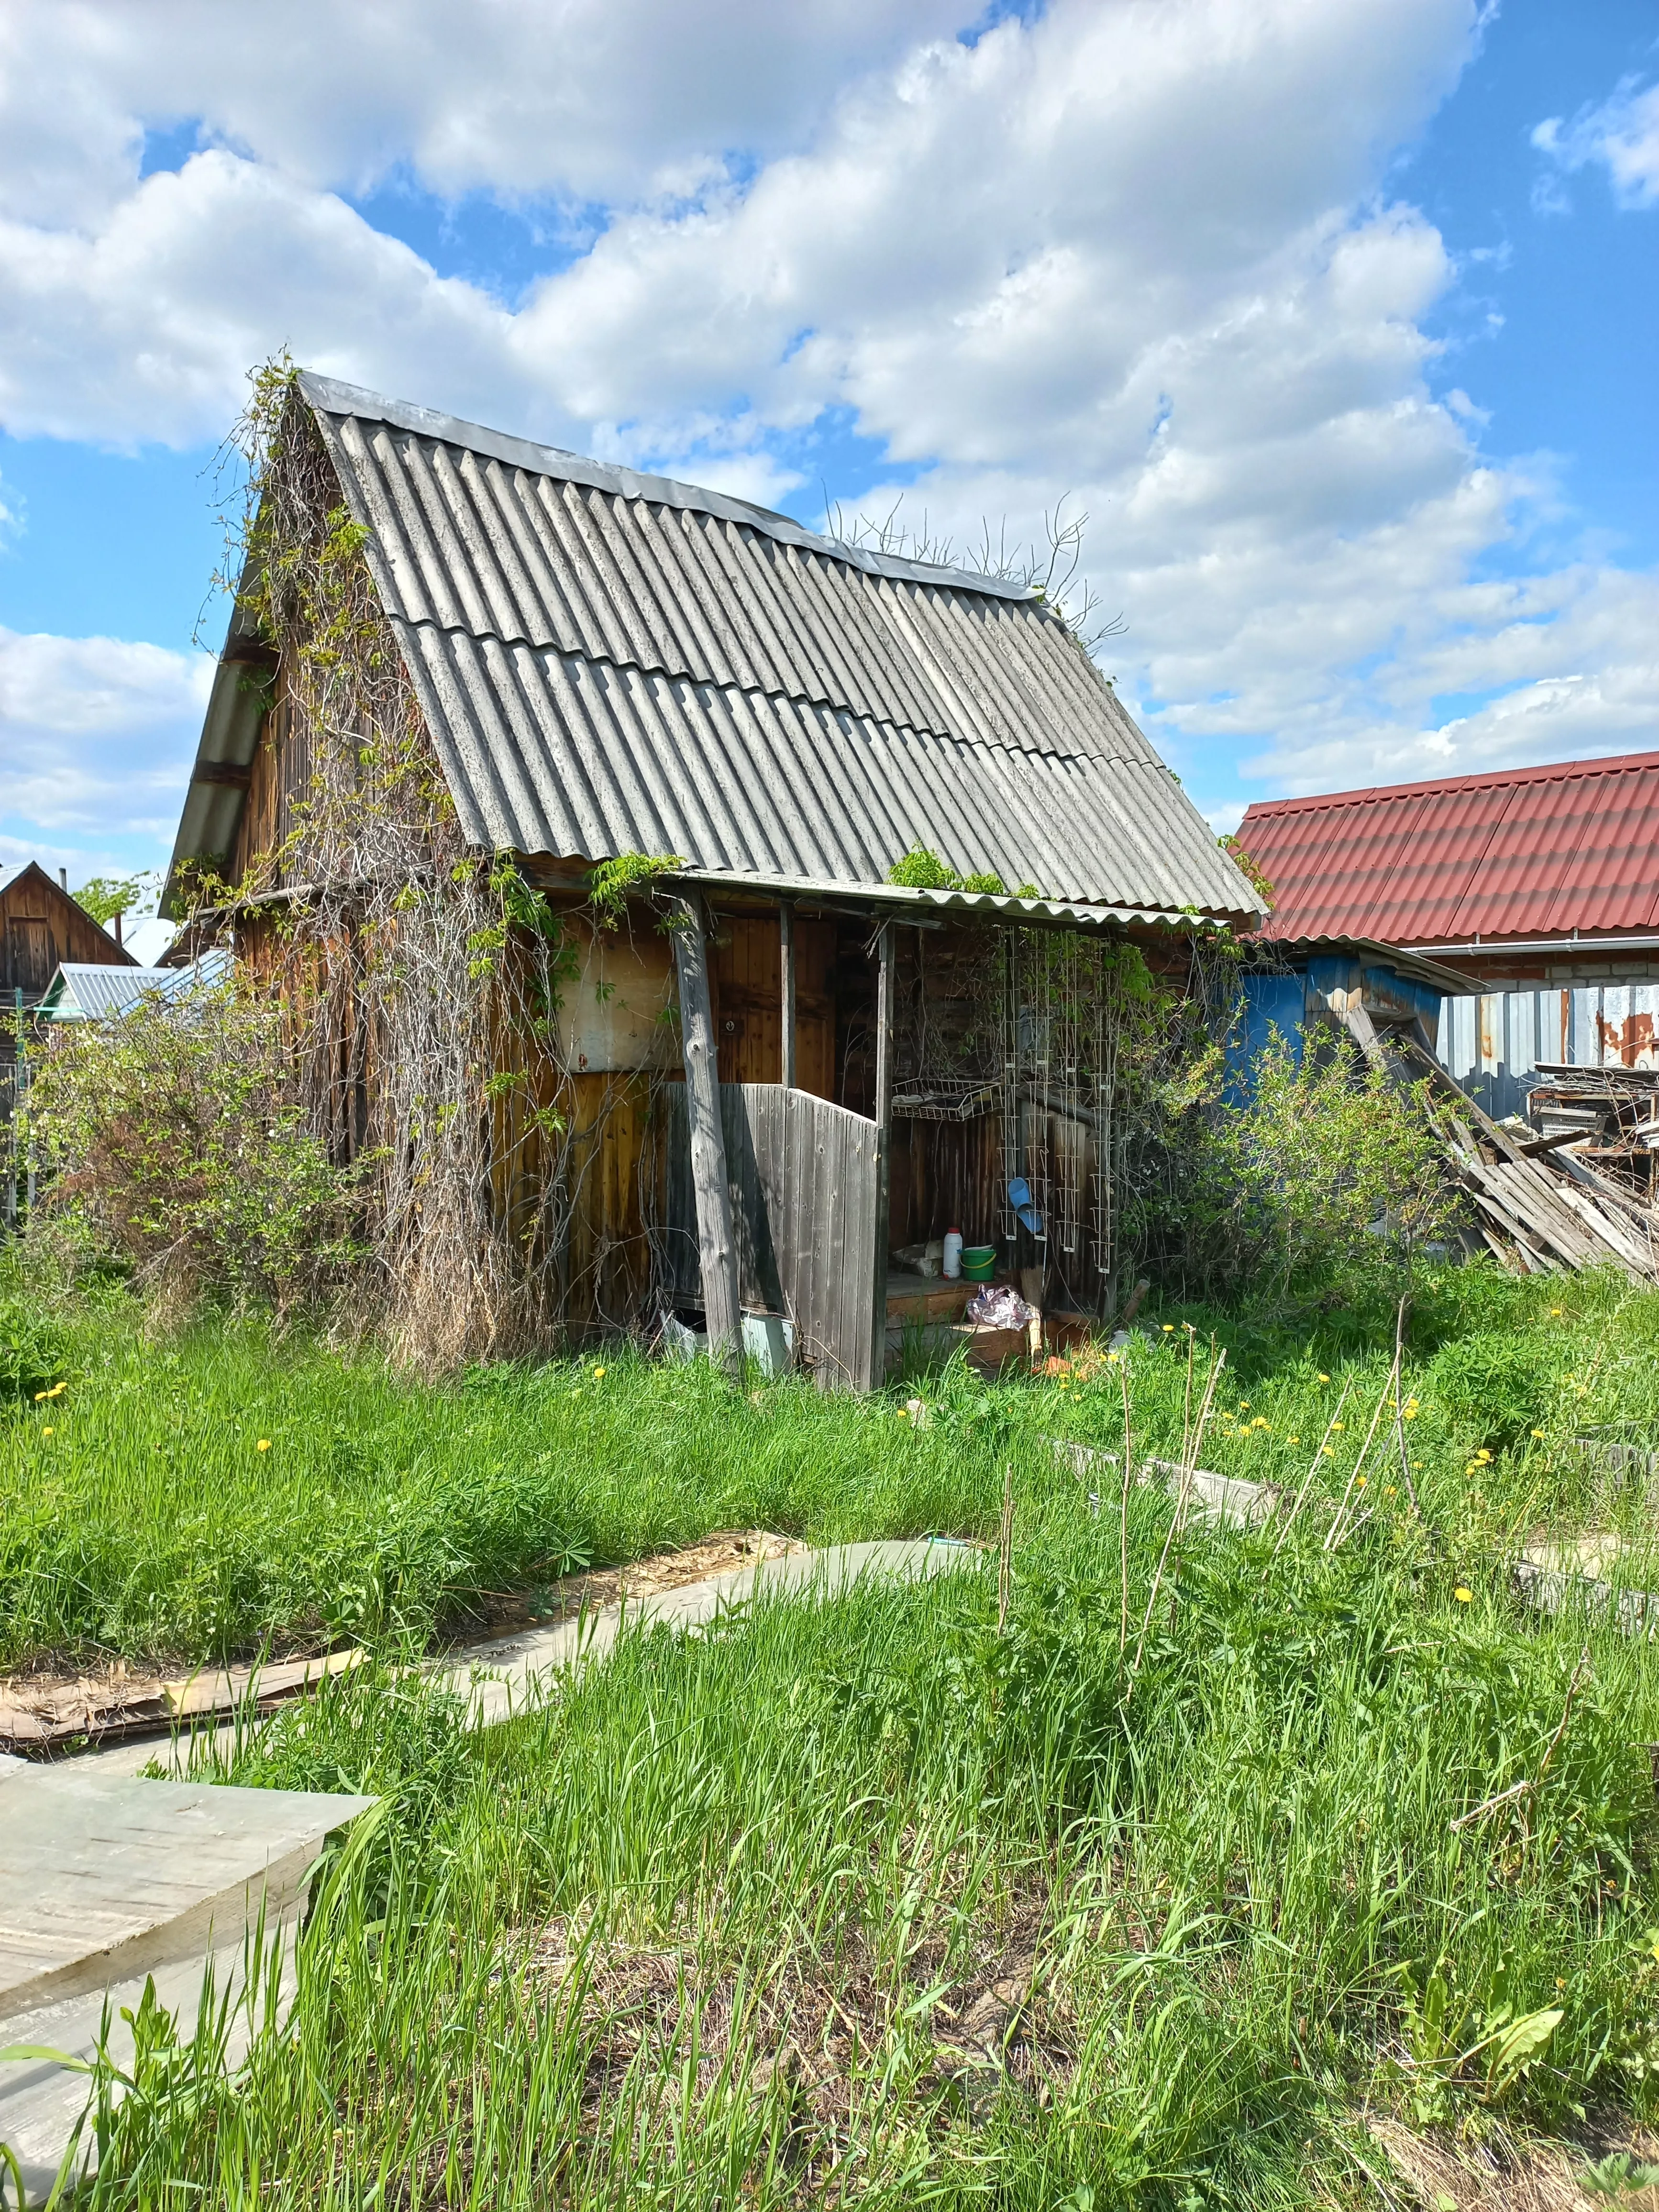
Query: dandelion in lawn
[
  {"x": 264, "y": 1445},
  {"x": 1391, "y": 1492},
  {"x": 1408, "y": 1413},
  {"x": 47, "y": 1432},
  {"x": 1539, "y": 1433},
  {"x": 1169, "y": 1328},
  {"x": 1359, "y": 1482},
  {"x": 1293, "y": 1440},
  {"x": 1417, "y": 1463},
  {"x": 1555, "y": 1313},
  {"x": 1463, "y": 1596},
  {"x": 1329, "y": 1453},
  {"x": 1339, "y": 1424},
  {"x": 1324, "y": 1378},
  {"x": 598, "y": 1374}
]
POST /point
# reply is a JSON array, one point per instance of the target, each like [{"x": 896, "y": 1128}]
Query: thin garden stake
[
  {"x": 1186, "y": 1402},
  {"x": 1124, "y": 1518},
  {"x": 1307, "y": 1479},
  {"x": 1529, "y": 1786},
  {"x": 1216, "y": 1366},
  {"x": 1005, "y": 1575},
  {"x": 1399, "y": 1412},
  {"x": 1336, "y": 1531}
]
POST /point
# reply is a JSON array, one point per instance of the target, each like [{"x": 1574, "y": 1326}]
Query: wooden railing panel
[{"x": 805, "y": 1200}]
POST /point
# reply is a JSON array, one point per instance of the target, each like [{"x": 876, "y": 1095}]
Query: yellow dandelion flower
[
  {"x": 1339, "y": 1424},
  {"x": 1463, "y": 1596},
  {"x": 1391, "y": 1492},
  {"x": 1244, "y": 1405},
  {"x": 598, "y": 1374},
  {"x": 46, "y": 1433},
  {"x": 1329, "y": 1454},
  {"x": 264, "y": 1445},
  {"x": 1169, "y": 1328},
  {"x": 1324, "y": 1378},
  {"x": 1417, "y": 1463},
  {"x": 1359, "y": 1483},
  {"x": 904, "y": 1412},
  {"x": 1293, "y": 1440},
  {"x": 1408, "y": 1413},
  {"x": 1555, "y": 1313},
  {"x": 38, "y": 1395}
]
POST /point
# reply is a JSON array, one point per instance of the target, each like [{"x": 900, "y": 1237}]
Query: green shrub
[
  {"x": 922, "y": 870},
  {"x": 33, "y": 1355},
  {"x": 1494, "y": 1384},
  {"x": 176, "y": 1139}
]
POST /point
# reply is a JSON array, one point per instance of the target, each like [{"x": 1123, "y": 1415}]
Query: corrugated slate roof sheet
[
  {"x": 81, "y": 992},
  {"x": 1527, "y": 853},
  {"x": 612, "y": 663}
]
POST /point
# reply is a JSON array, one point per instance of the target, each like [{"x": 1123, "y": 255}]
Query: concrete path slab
[
  {"x": 105, "y": 1881},
  {"x": 500, "y": 1677}
]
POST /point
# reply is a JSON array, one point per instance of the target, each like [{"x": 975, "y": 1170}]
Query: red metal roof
[{"x": 1528, "y": 853}]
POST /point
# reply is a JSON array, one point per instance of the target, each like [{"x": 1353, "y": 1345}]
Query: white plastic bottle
[{"x": 953, "y": 1253}]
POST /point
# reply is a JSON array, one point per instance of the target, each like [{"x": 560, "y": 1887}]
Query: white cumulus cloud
[
  {"x": 1137, "y": 251},
  {"x": 96, "y": 735},
  {"x": 1620, "y": 134}
]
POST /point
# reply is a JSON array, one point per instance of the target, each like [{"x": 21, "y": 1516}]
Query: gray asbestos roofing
[{"x": 612, "y": 663}]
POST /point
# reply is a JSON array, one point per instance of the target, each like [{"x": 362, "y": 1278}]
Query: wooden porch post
[
  {"x": 884, "y": 1145},
  {"x": 786, "y": 955},
  {"x": 716, "y": 1245}
]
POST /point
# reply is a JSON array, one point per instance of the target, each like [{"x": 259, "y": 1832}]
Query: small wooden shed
[{"x": 814, "y": 1064}]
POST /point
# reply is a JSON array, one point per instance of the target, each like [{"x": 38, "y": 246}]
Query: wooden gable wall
[{"x": 41, "y": 927}]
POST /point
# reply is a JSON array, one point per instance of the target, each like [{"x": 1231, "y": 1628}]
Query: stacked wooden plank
[{"x": 1539, "y": 1204}]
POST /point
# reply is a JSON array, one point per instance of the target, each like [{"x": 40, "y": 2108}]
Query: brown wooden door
[
  {"x": 31, "y": 954},
  {"x": 748, "y": 994}
]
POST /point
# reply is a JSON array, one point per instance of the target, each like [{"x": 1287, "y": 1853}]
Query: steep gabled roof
[
  {"x": 1523, "y": 853},
  {"x": 612, "y": 663}
]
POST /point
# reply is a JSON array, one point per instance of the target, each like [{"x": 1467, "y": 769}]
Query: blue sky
[{"x": 1338, "y": 316}]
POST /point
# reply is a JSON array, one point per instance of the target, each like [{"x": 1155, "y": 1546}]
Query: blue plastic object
[{"x": 1019, "y": 1197}]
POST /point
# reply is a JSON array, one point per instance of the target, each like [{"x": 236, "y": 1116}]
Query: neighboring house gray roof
[
  {"x": 613, "y": 663},
  {"x": 82, "y": 993}
]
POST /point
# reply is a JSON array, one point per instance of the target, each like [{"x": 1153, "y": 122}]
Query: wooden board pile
[{"x": 1562, "y": 1199}]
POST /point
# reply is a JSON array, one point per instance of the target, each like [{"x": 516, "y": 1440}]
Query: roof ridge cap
[{"x": 328, "y": 395}]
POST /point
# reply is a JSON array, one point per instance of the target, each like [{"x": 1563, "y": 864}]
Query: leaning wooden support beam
[
  {"x": 884, "y": 992},
  {"x": 716, "y": 1244}
]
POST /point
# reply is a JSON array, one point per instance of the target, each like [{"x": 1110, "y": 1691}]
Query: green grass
[
  {"x": 139, "y": 1515},
  {"x": 713, "y": 1925},
  {"x": 709, "y": 1927}
]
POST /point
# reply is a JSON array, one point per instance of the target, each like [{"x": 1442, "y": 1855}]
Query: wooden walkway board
[{"x": 106, "y": 1881}]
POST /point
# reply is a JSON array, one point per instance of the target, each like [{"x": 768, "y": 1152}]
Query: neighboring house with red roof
[{"x": 1542, "y": 883}]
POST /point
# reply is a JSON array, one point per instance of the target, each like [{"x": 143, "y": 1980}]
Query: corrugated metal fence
[
  {"x": 1491, "y": 1045},
  {"x": 804, "y": 1182}
]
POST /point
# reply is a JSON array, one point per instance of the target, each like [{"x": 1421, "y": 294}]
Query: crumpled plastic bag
[{"x": 998, "y": 1306}]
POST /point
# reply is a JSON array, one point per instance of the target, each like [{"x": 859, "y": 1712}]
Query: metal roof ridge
[{"x": 332, "y": 397}]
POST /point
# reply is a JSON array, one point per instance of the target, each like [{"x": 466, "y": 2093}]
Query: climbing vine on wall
[{"x": 422, "y": 979}]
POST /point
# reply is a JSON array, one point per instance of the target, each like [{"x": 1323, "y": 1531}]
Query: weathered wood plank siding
[{"x": 804, "y": 1177}]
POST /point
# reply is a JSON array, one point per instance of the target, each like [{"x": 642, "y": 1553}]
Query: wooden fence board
[{"x": 804, "y": 1175}]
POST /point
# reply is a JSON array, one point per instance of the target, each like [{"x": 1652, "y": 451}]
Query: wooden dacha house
[{"x": 815, "y": 1065}]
